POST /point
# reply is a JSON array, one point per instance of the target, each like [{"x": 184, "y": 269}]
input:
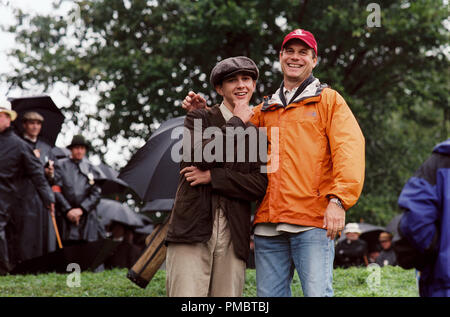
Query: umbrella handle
[{"x": 56, "y": 229}]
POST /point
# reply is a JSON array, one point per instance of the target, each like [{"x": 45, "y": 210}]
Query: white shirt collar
[{"x": 226, "y": 113}]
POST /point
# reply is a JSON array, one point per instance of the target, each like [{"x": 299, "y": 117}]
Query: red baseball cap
[{"x": 303, "y": 35}]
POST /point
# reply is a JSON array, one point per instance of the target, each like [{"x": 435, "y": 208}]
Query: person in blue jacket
[{"x": 426, "y": 221}]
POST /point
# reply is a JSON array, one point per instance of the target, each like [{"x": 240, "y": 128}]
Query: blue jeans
[{"x": 310, "y": 252}]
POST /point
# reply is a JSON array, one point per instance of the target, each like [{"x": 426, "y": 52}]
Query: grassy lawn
[{"x": 392, "y": 282}]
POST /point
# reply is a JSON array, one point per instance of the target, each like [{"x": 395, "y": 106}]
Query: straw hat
[{"x": 5, "y": 106}]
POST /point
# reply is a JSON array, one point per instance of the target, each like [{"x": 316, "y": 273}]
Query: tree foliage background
[{"x": 142, "y": 57}]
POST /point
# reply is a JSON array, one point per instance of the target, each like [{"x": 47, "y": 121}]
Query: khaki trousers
[{"x": 206, "y": 268}]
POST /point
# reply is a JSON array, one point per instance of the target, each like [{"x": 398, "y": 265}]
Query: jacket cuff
[{"x": 84, "y": 208}]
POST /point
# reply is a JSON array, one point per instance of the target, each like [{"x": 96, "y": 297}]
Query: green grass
[{"x": 352, "y": 282}]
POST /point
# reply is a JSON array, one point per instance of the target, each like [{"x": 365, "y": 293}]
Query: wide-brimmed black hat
[{"x": 78, "y": 140}]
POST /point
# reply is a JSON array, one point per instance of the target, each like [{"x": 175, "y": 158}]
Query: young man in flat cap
[
  {"x": 77, "y": 194},
  {"x": 320, "y": 174},
  {"x": 17, "y": 161},
  {"x": 32, "y": 125},
  {"x": 209, "y": 230}
]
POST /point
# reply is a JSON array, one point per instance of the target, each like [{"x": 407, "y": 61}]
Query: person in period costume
[
  {"x": 77, "y": 195},
  {"x": 352, "y": 251},
  {"x": 34, "y": 231},
  {"x": 387, "y": 255},
  {"x": 17, "y": 161}
]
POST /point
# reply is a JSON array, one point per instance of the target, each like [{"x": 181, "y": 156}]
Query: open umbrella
[
  {"x": 370, "y": 234},
  {"x": 44, "y": 105},
  {"x": 111, "y": 210},
  {"x": 152, "y": 172},
  {"x": 392, "y": 226},
  {"x": 148, "y": 226},
  {"x": 60, "y": 152},
  {"x": 110, "y": 183},
  {"x": 158, "y": 205}
]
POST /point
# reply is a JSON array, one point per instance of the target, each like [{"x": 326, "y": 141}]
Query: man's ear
[{"x": 315, "y": 59}]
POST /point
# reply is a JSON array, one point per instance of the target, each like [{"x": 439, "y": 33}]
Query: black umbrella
[
  {"x": 146, "y": 220},
  {"x": 60, "y": 152},
  {"x": 44, "y": 105},
  {"x": 87, "y": 255},
  {"x": 152, "y": 172},
  {"x": 148, "y": 225},
  {"x": 146, "y": 230},
  {"x": 370, "y": 234},
  {"x": 158, "y": 205},
  {"x": 111, "y": 210},
  {"x": 110, "y": 182},
  {"x": 392, "y": 226}
]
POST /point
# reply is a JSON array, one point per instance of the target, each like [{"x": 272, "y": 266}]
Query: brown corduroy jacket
[{"x": 235, "y": 185}]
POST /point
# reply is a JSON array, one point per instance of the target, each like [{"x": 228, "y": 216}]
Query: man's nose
[{"x": 295, "y": 56}]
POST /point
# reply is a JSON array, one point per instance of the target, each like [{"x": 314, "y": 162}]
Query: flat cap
[
  {"x": 32, "y": 115},
  {"x": 232, "y": 66}
]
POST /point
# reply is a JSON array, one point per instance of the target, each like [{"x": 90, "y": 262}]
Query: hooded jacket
[
  {"x": 316, "y": 151},
  {"x": 426, "y": 221}
]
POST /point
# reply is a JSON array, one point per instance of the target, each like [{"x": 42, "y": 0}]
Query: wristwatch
[{"x": 337, "y": 201}]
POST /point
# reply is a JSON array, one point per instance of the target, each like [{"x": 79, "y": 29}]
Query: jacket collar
[
  {"x": 313, "y": 89},
  {"x": 215, "y": 116}
]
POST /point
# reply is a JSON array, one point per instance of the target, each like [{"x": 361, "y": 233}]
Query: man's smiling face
[{"x": 297, "y": 61}]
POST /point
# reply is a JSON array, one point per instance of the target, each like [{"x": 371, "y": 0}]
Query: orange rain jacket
[{"x": 319, "y": 152}]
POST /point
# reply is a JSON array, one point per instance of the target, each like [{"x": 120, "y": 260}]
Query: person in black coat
[
  {"x": 17, "y": 161},
  {"x": 77, "y": 195},
  {"x": 352, "y": 251},
  {"x": 387, "y": 255},
  {"x": 34, "y": 230}
]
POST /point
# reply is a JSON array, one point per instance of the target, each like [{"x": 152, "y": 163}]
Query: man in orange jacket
[{"x": 316, "y": 165}]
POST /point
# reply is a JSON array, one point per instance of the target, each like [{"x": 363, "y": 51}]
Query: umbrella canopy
[
  {"x": 110, "y": 183},
  {"x": 152, "y": 172},
  {"x": 148, "y": 225},
  {"x": 88, "y": 255},
  {"x": 44, "y": 105},
  {"x": 111, "y": 210},
  {"x": 158, "y": 205},
  {"x": 392, "y": 226},
  {"x": 60, "y": 152},
  {"x": 146, "y": 230}
]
